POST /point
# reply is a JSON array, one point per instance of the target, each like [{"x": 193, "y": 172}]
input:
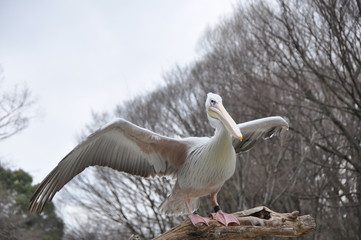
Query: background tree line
[
  {"x": 15, "y": 223},
  {"x": 297, "y": 59}
]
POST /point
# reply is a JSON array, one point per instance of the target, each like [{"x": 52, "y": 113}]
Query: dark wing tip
[
  {"x": 256, "y": 130},
  {"x": 43, "y": 194}
]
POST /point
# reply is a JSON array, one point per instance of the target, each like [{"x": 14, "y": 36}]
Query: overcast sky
[{"x": 84, "y": 55}]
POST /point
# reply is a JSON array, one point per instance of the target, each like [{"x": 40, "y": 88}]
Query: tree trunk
[{"x": 255, "y": 222}]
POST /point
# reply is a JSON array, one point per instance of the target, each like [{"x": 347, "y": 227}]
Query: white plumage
[{"x": 201, "y": 165}]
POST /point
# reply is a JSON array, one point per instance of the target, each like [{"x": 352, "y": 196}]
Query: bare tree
[
  {"x": 302, "y": 60},
  {"x": 16, "y": 106}
]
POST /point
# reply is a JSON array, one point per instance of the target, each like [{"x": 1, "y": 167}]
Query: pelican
[{"x": 201, "y": 165}]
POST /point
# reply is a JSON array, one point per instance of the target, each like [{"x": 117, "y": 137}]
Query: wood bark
[{"x": 255, "y": 222}]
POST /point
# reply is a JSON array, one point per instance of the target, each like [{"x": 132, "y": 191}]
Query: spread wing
[
  {"x": 256, "y": 130},
  {"x": 120, "y": 145}
]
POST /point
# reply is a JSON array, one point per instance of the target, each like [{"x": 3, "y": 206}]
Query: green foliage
[{"x": 15, "y": 222}]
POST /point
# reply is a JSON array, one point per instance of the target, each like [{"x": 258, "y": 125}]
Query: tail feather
[{"x": 176, "y": 205}]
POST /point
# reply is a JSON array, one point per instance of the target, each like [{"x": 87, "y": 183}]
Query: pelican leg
[
  {"x": 219, "y": 215},
  {"x": 195, "y": 218}
]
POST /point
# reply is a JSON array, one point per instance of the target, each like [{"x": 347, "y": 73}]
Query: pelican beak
[{"x": 219, "y": 112}]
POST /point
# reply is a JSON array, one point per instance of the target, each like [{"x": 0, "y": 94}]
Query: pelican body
[{"x": 200, "y": 164}]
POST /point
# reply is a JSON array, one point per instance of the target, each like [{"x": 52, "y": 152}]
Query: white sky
[{"x": 82, "y": 55}]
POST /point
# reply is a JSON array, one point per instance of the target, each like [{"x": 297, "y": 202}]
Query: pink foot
[
  {"x": 195, "y": 218},
  {"x": 225, "y": 218}
]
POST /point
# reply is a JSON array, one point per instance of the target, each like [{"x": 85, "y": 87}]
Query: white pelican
[{"x": 200, "y": 164}]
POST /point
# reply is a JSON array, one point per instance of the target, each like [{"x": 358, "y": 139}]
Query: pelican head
[{"x": 217, "y": 115}]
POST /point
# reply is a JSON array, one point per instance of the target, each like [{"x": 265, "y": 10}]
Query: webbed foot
[
  {"x": 195, "y": 218},
  {"x": 225, "y": 218}
]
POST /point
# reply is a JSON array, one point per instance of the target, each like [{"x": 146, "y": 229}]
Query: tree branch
[{"x": 255, "y": 222}]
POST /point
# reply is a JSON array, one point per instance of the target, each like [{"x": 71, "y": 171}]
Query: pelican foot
[
  {"x": 225, "y": 218},
  {"x": 195, "y": 218}
]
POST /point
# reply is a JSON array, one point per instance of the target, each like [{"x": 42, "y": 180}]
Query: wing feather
[
  {"x": 120, "y": 145},
  {"x": 256, "y": 130}
]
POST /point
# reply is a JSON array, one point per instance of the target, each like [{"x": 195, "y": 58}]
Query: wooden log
[{"x": 255, "y": 222}]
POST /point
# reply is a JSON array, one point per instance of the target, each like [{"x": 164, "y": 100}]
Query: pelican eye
[{"x": 213, "y": 102}]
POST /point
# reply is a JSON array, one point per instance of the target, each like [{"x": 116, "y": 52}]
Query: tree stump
[{"x": 255, "y": 222}]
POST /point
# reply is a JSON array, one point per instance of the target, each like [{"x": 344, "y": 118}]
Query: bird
[{"x": 201, "y": 165}]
